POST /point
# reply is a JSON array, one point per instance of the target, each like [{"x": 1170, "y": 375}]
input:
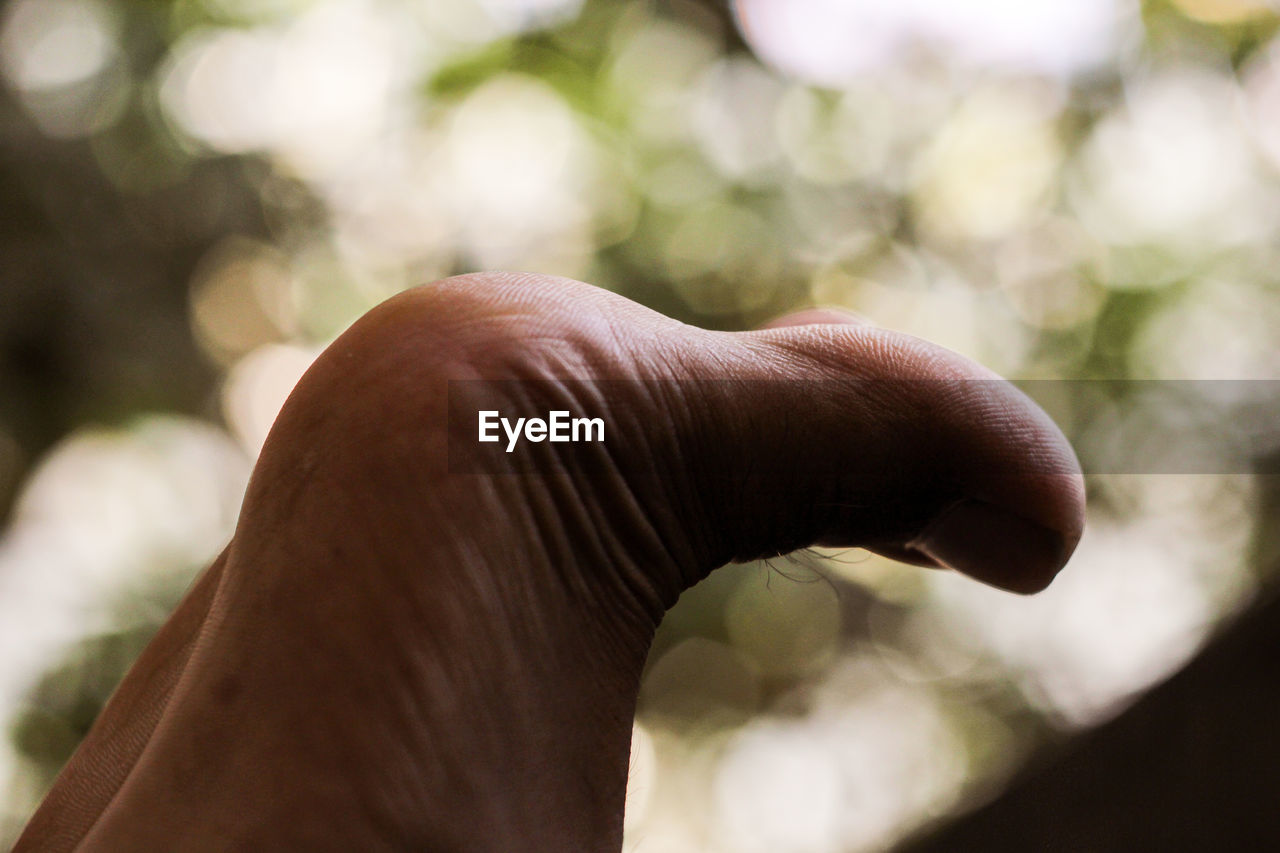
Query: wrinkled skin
[{"x": 398, "y": 650}]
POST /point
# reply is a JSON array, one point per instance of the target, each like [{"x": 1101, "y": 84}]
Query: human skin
[{"x": 402, "y": 648}]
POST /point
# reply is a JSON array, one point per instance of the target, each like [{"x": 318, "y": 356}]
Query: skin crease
[{"x": 404, "y": 649}]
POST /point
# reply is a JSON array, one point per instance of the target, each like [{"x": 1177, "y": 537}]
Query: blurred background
[{"x": 197, "y": 195}]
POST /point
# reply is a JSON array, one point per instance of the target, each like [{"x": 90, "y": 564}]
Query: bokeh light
[
  {"x": 827, "y": 41},
  {"x": 96, "y": 522},
  {"x": 63, "y": 58}
]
